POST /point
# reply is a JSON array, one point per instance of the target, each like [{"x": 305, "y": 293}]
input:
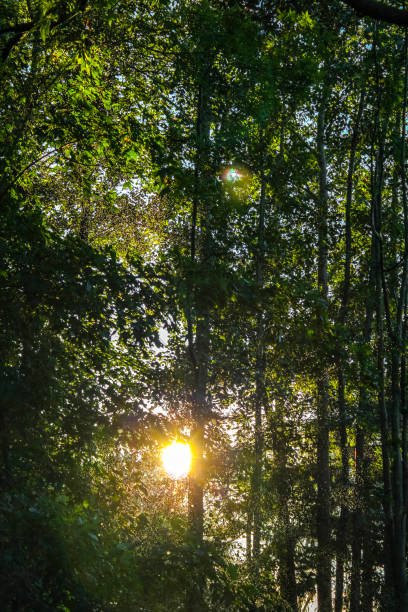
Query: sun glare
[
  {"x": 233, "y": 175},
  {"x": 176, "y": 459}
]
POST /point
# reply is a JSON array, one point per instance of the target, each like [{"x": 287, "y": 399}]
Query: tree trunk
[
  {"x": 248, "y": 534},
  {"x": 287, "y": 574},
  {"x": 357, "y": 528},
  {"x": 360, "y": 522},
  {"x": 285, "y": 537},
  {"x": 323, "y": 472},
  {"x": 259, "y": 387},
  {"x": 399, "y": 509},
  {"x": 368, "y": 587},
  {"x": 199, "y": 346},
  {"x": 382, "y": 407},
  {"x": 341, "y": 540}
]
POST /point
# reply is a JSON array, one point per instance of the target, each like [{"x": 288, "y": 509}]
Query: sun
[{"x": 176, "y": 459}]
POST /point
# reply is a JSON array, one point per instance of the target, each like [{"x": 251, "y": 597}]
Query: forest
[{"x": 204, "y": 305}]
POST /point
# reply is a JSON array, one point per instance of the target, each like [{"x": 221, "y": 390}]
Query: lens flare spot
[
  {"x": 176, "y": 459},
  {"x": 233, "y": 175}
]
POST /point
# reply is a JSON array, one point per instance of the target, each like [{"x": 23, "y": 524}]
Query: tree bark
[
  {"x": 399, "y": 509},
  {"x": 382, "y": 407},
  {"x": 285, "y": 537},
  {"x": 259, "y": 386},
  {"x": 248, "y": 534},
  {"x": 322, "y": 468},
  {"x": 341, "y": 542},
  {"x": 357, "y": 528},
  {"x": 368, "y": 587},
  {"x": 341, "y": 538},
  {"x": 200, "y": 344}
]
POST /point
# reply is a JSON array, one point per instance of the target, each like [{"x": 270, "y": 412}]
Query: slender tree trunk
[
  {"x": 368, "y": 562},
  {"x": 259, "y": 386},
  {"x": 323, "y": 471},
  {"x": 287, "y": 574},
  {"x": 357, "y": 528},
  {"x": 399, "y": 514},
  {"x": 396, "y": 588},
  {"x": 5, "y": 472},
  {"x": 399, "y": 509},
  {"x": 404, "y": 417},
  {"x": 248, "y": 534},
  {"x": 199, "y": 346},
  {"x": 199, "y": 408},
  {"x": 359, "y": 524},
  {"x": 341, "y": 540},
  {"x": 382, "y": 407},
  {"x": 362, "y": 591},
  {"x": 285, "y": 537},
  {"x": 404, "y": 429}
]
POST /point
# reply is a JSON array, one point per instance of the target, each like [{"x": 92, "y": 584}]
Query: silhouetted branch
[{"x": 380, "y": 11}]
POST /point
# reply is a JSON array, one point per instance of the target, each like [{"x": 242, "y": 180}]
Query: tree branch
[
  {"x": 380, "y": 11},
  {"x": 19, "y": 27},
  {"x": 45, "y": 155},
  {"x": 22, "y": 28}
]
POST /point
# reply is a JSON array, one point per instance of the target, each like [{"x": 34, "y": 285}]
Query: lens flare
[
  {"x": 233, "y": 175},
  {"x": 176, "y": 459}
]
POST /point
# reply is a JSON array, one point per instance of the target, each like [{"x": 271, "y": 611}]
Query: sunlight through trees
[{"x": 204, "y": 298}]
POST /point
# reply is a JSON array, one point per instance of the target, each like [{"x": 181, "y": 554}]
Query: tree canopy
[{"x": 203, "y": 240}]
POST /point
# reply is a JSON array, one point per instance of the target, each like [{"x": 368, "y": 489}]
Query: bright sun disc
[{"x": 176, "y": 459}]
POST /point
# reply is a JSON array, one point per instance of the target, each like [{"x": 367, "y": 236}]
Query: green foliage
[{"x": 118, "y": 123}]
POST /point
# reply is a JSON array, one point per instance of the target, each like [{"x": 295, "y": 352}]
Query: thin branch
[{"x": 45, "y": 155}]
